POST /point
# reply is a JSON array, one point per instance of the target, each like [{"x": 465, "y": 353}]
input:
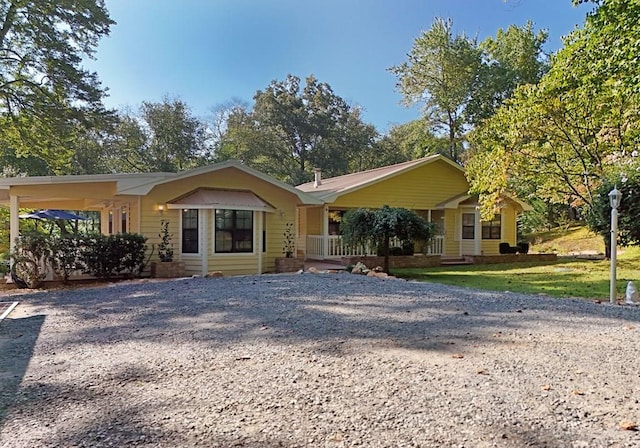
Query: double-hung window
[
  {"x": 491, "y": 229},
  {"x": 233, "y": 231},
  {"x": 190, "y": 231},
  {"x": 468, "y": 226}
]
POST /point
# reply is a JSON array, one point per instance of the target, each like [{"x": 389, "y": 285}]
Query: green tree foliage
[
  {"x": 410, "y": 141},
  {"x": 461, "y": 82},
  {"x": 599, "y": 218},
  {"x": 163, "y": 136},
  {"x": 46, "y": 98},
  {"x": 440, "y": 73},
  {"x": 366, "y": 227},
  {"x": 292, "y": 129},
  {"x": 557, "y": 139},
  {"x": 513, "y": 57}
]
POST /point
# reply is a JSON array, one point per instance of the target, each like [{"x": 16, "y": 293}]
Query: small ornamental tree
[
  {"x": 165, "y": 247},
  {"x": 599, "y": 219},
  {"x": 377, "y": 227}
]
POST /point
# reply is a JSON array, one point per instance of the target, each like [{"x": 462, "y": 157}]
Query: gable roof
[
  {"x": 332, "y": 188},
  {"x": 203, "y": 198},
  {"x": 142, "y": 183},
  {"x": 460, "y": 199}
]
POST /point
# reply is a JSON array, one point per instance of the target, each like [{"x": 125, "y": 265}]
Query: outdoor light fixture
[
  {"x": 615, "y": 196},
  {"x": 161, "y": 208}
]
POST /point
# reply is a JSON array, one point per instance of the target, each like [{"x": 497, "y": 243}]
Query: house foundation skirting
[{"x": 510, "y": 258}]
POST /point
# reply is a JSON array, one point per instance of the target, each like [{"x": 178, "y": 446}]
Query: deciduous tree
[
  {"x": 163, "y": 136},
  {"x": 292, "y": 129},
  {"x": 559, "y": 138},
  {"x": 440, "y": 73},
  {"x": 366, "y": 227},
  {"x": 46, "y": 97}
]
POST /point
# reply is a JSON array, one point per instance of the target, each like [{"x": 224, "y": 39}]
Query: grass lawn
[{"x": 567, "y": 277}]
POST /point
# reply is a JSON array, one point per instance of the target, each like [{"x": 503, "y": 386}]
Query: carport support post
[{"x": 14, "y": 221}]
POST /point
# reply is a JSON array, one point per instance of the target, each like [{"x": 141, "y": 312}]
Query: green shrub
[
  {"x": 107, "y": 256},
  {"x": 30, "y": 259},
  {"x": 66, "y": 255}
]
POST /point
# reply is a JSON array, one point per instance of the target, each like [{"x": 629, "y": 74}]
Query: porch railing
[{"x": 337, "y": 249}]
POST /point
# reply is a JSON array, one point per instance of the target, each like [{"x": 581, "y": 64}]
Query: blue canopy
[{"x": 53, "y": 214}]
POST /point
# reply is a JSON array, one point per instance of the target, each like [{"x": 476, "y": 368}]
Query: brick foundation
[
  {"x": 168, "y": 269},
  {"x": 289, "y": 264},
  {"x": 396, "y": 261},
  {"x": 510, "y": 258}
]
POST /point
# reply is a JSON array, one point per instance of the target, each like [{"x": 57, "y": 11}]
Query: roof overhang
[
  {"x": 205, "y": 198},
  {"x": 459, "y": 200}
]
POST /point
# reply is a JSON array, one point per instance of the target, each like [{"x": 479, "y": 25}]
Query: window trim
[
  {"x": 198, "y": 230},
  {"x": 467, "y": 226}
]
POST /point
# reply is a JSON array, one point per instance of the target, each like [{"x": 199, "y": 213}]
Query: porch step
[{"x": 455, "y": 261}]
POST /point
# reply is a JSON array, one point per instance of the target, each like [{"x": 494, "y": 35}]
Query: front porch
[{"x": 332, "y": 247}]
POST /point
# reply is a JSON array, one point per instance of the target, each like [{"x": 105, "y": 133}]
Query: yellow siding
[
  {"x": 509, "y": 225},
  {"x": 451, "y": 236},
  {"x": 72, "y": 191},
  {"x": 314, "y": 221},
  {"x": 421, "y": 188},
  {"x": 301, "y": 240},
  {"x": 282, "y": 201}
]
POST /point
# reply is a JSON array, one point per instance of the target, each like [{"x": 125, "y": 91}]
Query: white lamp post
[{"x": 615, "y": 196}]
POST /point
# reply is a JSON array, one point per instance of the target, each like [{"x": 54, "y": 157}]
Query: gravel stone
[{"x": 315, "y": 360}]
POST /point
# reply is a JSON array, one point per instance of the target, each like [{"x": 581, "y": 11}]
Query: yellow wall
[
  {"x": 451, "y": 235},
  {"x": 283, "y": 201},
  {"x": 421, "y": 188},
  {"x": 71, "y": 190},
  {"x": 455, "y": 246}
]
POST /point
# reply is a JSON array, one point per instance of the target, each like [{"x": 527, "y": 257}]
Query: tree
[
  {"x": 377, "y": 227},
  {"x": 599, "y": 218},
  {"x": 441, "y": 72},
  {"x": 292, "y": 129},
  {"x": 163, "y": 136},
  {"x": 559, "y": 138},
  {"x": 514, "y": 57},
  {"x": 410, "y": 141},
  {"x": 46, "y": 97}
]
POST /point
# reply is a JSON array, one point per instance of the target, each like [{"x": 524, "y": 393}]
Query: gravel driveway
[{"x": 316, "y": 360}]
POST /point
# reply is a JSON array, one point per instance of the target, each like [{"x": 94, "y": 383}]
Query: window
[
  {"x": 335, "y": 218},
  {"x": 110, "y": 222},
  {"x": 234, "y": 231},
  {"x": 491, "y": 229},
  {"x": 190, "y": 231},
  {"x": 468, "y": 226}
]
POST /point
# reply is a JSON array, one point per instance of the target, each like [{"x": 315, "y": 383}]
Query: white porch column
[
  {"x": 14, "y": 221},
  {"x": 258, "y": 218},
  {"x": 325, "y": 232},
  {"x": 477, "y": 237},
  {"x": 204, "y": 233}
]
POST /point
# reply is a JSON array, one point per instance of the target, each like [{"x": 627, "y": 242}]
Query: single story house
[
  {"x": 231, "y": 218},
  {"x": 434, "y": 187},
  {"x": 224, "y": 217}
]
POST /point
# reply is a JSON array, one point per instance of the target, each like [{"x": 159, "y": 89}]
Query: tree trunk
[
  {"x": 386, "y": 254},
  {"x": 607, "y": 247}
]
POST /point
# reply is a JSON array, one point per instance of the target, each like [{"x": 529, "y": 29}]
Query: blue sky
[{"x": 206, "y": 52}]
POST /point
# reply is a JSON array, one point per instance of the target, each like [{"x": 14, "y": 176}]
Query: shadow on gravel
[
  {"x": 326, "y": 311},
  {"x": 17, "y": 341}
]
